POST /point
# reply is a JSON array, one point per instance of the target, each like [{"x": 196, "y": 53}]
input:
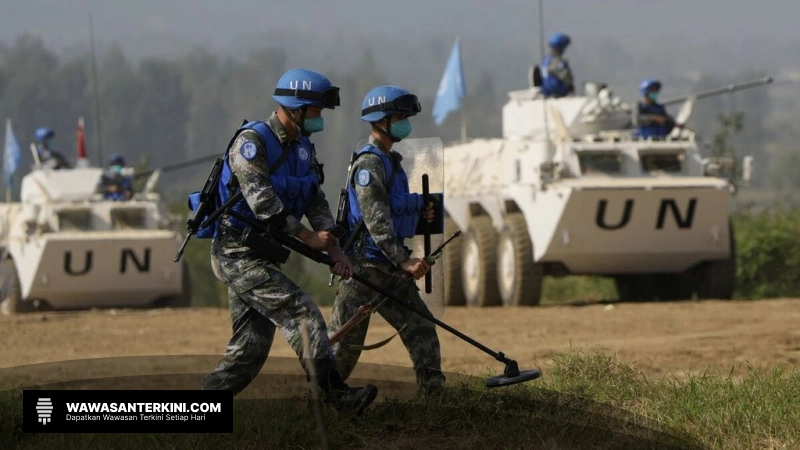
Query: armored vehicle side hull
[
  {"x": 658, "y": 235},
  {"x": 98, "y": 269},
  {"x": 87, "y": 254}
]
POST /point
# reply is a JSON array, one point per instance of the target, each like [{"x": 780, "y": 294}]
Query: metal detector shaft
[
  {"x": 427, "y": 236},
  {"x": 376, "y": 301},
  {"x": 322, "y": 258}
]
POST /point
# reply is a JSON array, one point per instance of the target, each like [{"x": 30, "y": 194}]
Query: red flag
[{"x": 81, "y": 141}]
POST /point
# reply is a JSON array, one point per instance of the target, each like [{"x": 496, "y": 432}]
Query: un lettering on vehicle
[
  {"x": 670, "y": 212},
  {"x": 82, "y": 262}
]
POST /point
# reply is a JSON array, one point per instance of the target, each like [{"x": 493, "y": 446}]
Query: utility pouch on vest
[{"x": 264, "y": 246}]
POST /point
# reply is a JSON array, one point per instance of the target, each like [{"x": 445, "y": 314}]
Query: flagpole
[
  {"x": 7, "y": 232},
  {"x": 463, "y": 127},
  {"x": 463, "y": 99},
  {"x": 5, "y": 169},
  {"x": 8, "y": 223},
  {"x": 541, "y": 58},
  {"x": 98, "y": 137}
]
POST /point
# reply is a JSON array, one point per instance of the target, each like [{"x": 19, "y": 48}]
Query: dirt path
[{"x": 659, "y": 337}]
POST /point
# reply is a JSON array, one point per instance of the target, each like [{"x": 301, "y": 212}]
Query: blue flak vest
[
  {"x": 292, "y": 180},
  {"x": 653, "y": 129},
  {"x": 551, "y": 85},
  {"x": 125, "y": 183},
  {"x": 405, "y": 207}
]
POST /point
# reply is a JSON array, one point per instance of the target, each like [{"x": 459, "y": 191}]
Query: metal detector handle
[
  {"x": 397, "y": 280},
  {"x": 427, "y": 230},
  {"x": 294, "y": 244},
  {"x": 304, "y": 249}
]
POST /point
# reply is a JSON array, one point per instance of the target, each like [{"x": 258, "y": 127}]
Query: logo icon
[
  {"x": 44, "y": 409},
  {"x": 303, "y": 153},
  {"x": 363, "y": 177}
]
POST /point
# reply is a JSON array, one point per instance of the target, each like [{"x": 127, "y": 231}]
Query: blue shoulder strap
[
  {"x": 388, "y": 186},
  {"x": 391, "y": 176},
  {"x": 278, "y": 163}
]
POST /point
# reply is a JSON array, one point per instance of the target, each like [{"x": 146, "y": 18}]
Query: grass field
[{"x": 586, "y": 400}]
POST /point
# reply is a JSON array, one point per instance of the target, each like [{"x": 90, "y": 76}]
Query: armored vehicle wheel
[
  {"x": 671, "y": 287},
  {"x": 453, "y": 291},
  {"x": 519, "y": 280},
  {"x": 10, "y": 291},
  {"x": 635, "y": 288},
  {"x": 479, "y": 260},
  {"x": 717, "y": 279}
]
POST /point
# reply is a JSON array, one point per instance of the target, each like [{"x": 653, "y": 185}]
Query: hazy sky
[{"x": 63, "y": 22}]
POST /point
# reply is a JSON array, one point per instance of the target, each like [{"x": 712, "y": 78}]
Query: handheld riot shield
[{"x": 423, "y": 159}]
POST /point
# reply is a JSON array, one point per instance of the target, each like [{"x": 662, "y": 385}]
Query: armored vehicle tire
[
  {"x": 453, "y": 291},
  {"x": 635, "y": 288},
  {"x": 671, "y": 287},
  {"x": 519, "y": 280},
  {"x": 10, "y": 291},
  {"x": 717, "y": 279},
  {"x": 479, "y": 261},
  {"x": 651, "y": 287}
]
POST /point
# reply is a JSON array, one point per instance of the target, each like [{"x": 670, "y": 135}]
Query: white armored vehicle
[
  {"x": 65, "y": 247},
  {"x": 571, "y": 190}
]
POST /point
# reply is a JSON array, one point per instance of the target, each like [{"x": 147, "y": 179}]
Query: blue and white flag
[
  {"x": 451, "y": 88},
  {"x": 11, "y": 156}
]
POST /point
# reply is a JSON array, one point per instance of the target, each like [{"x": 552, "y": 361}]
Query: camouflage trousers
[
  {"x": 261, "y": 298},
  {"x": 419, "y": 335}
]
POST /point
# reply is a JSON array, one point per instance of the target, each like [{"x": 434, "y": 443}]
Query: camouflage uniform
[
  {"x": 419, "y": 336},
  {"x": 260, "y": 296}
]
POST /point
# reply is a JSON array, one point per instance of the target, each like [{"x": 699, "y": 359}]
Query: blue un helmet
[
  {"x": 43, "y": 134},
  {"x": 649, "y": 88},
  {"x": 300, "y": 88},
  {"x": 383, "y": 102},
  {"x": 559, "y": 41}
]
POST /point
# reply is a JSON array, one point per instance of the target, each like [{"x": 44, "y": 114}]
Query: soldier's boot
[
  {"x": 344, "y": 398},
  {"x": 431, "y": 382}
]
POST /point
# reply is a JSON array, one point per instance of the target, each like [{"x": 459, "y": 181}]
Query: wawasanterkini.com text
[{"x": 142, "y": 407}]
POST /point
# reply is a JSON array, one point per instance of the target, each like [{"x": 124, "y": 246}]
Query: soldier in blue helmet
[
  {"x": 557, "y": 79},
  {"x": 382, "y": 213},
  {"x": 116, "y": 184},
  {"x": 274, "y": 164},
  {"x": 651, "y": 117},
  {"x": 48, "y": 158}
]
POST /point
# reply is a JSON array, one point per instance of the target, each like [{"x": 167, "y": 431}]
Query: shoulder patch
[
  {"x": 248, "y": 150},
  {"x": 302, "y": 153},
  {"x": 362, "y": 177}
]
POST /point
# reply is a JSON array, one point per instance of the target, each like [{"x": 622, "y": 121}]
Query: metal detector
[{"x": 511, "y": 375}]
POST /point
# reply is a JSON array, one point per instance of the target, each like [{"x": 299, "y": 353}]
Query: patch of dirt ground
[{"x": 675, "y": 338}]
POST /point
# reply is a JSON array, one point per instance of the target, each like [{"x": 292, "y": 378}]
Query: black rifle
[
  {"x": 341, "y": 212},
  {"x": 207, "y": 201}
]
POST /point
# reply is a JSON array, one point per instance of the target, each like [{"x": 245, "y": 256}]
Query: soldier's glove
[
  {"x": 278, "y": 221},
  {"x": 431, "y": 201}
]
